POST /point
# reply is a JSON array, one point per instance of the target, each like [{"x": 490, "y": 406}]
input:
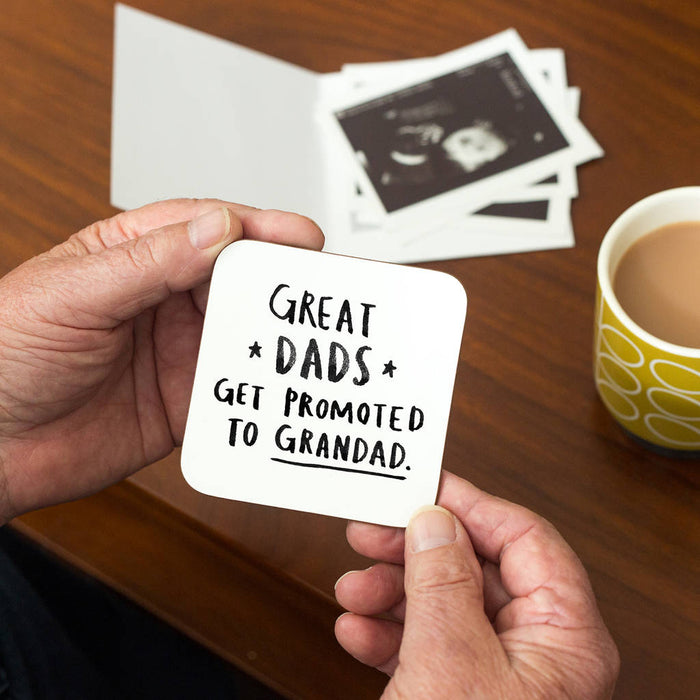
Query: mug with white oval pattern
[{"x": 650, "y": 386}]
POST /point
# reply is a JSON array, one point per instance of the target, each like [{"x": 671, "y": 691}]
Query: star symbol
[
  {"x": 389, "y": 369},
  {"x": 254, "y": 350}
]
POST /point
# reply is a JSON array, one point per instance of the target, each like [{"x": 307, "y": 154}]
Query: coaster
[{"x": 323, "y": 383}]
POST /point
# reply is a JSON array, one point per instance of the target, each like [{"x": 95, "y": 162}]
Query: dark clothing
[{"x": 64, "y": 636}]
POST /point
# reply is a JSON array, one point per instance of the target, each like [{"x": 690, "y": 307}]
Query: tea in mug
[{"x": 657, "y": 283}]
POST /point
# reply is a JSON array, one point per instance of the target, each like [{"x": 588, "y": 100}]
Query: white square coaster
[{"x": 323, "y": 383}]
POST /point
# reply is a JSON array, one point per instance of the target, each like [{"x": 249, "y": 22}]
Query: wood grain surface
[{"x": 526, "y": 423}]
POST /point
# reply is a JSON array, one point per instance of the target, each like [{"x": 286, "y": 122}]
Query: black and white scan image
[{"x": 449, "y": 131}]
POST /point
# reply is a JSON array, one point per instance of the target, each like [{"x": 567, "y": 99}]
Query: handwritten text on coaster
[{"x": 323, "y": 383}]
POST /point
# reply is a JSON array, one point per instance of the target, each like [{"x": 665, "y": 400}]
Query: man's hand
[
  {"x": 99, "y": 339},
  {"x": 491, "y": 603}
]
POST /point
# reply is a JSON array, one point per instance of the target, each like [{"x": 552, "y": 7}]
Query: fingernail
[
  {"x": 431, "y": 527},
  {"x": 210, "y": 228},
  {"x": 347, "y": 573}
]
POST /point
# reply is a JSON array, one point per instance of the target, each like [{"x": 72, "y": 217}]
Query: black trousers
[{"x": 65, "y": 636}]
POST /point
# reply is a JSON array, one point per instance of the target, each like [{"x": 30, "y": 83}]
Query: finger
[
  {"x": 535, "y": 561},
  {"x": 376, "y": 541},
  {"x": 444, "y": 599},
  {"x": 176, "y": 332},
  {"x": 102, "y": 290},
  {"x": 493, "y": 523},
  {"x": 200, "y": 296},
  {"x": 274, "y": 226},
  {"x": 495, "y": 595},
  {"x": 373, "y": 642},
  {"x": 398, "y": 611},
  {"x": 374, "y": 591},
  {"x": 133, "y": 223},
  {"x": 282, "y": 227}
]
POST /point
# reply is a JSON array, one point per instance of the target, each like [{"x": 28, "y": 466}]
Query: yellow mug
[{"x": 651, "y": 387}]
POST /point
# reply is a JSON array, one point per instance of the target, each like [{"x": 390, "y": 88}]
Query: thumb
[
  {"x": 445, "y": 618},
  {"x": 118, "y": 283}
]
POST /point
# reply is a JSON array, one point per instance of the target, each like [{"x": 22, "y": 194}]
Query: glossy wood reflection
[{"x": 526, "y": 423}]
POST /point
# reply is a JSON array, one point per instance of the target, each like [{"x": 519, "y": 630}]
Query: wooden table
[{"x": 255, "y": 584}]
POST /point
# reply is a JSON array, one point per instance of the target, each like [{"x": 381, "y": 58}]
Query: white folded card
[{"x": 323, "y": 383}]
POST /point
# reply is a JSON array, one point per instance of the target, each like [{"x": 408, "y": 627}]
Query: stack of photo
[{"x": 470, "y": 153}]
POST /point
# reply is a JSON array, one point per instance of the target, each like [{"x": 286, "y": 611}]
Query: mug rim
[{"x": 604, "y": 278}]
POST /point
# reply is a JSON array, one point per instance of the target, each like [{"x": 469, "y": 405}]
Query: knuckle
[
  {"x": 142, "y": 255},
  {"x": 442, "y": 578}
]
